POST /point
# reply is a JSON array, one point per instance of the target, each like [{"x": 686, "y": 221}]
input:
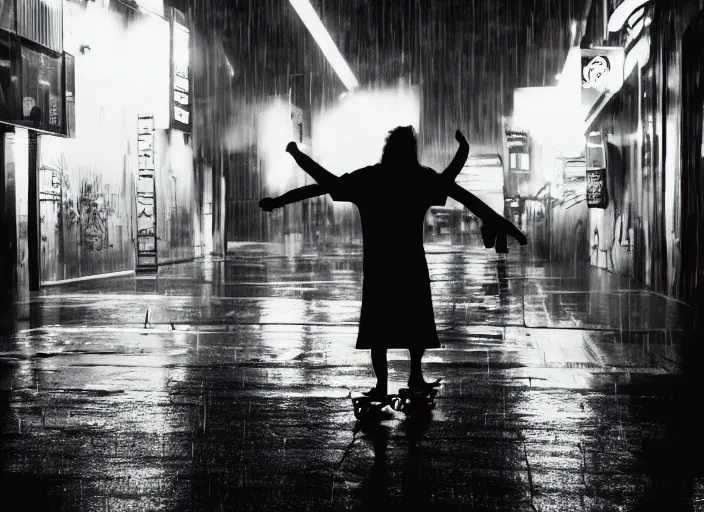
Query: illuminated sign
[
  {"x": 146, "y": 195},
  {"x": 181, "y": 108},
  {"x": 602, "y": 68},
  {"x": 596, "y": 73},
  {"x": 597, "y": 192}
]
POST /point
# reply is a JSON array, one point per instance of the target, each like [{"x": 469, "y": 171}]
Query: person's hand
[
  {"x": 291, "y": 147},
  {"x": 460, "y": 138},
  {"x": 267, "y": 204},
  {"x": 495, "y": 232}
]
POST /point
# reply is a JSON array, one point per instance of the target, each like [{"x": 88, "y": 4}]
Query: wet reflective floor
[{"x": 223, "y": 384}]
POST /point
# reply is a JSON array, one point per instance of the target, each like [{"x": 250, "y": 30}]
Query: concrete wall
[
  {"x": 671, "y": 21},
  {"x": 15, "y": 210},
  {"x": 178, "y": 210},
  {"x": 616, "y": 234},
  {"x": 87, "y": 183},
  {"x": 640, "y": 233}
]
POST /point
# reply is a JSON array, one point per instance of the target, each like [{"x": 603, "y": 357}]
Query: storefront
[{"x": 36, "y": 99}]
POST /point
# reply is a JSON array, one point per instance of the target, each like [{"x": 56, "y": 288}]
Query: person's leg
[
  {"x": 380, "y": 370},
  {"x": 415, "y": 379}
]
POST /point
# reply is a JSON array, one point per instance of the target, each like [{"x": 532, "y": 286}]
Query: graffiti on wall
[
  {"x": 94, "y": 209},
  {"x": 89, "y": 213}
]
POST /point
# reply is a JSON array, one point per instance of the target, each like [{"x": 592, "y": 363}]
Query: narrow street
[{"x": 224, "y": 383}]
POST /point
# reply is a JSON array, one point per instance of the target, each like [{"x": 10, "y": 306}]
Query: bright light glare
[
  {"x": 351, "y": 134},
  {"x": 551, "y": 118},
  {"x": 325, "y": 42},
  {"x": 273, "y": 135}
]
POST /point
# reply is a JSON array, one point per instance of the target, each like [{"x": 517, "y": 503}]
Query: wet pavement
[{"x": 223, "y": 384}]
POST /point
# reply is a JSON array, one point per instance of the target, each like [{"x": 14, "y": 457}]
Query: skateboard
[
  {"x": 365, "y": 405},
  {"x": 405, "y": 401},
  {"x": 417, "y": 401}
]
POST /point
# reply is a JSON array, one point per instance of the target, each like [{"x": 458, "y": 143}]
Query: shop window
[
  {"x": 9, "y": 79},
  {"x": 42, "y": 102}
]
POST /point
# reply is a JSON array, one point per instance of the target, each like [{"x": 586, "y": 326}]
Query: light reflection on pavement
[{"x": 225, "y": 383}]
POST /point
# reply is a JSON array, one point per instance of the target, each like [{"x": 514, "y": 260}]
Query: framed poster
[{"x": 596, "y": 160}]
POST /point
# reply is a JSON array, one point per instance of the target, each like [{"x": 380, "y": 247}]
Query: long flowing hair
[{"x": 400, "y": 148}]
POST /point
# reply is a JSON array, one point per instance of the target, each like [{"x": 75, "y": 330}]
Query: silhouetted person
[{"x": 393, "y": 198}]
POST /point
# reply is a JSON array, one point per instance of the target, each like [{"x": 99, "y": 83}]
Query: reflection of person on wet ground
[
  {"x": 392, "y": 198},
  {"x": 417, "y": 477},
  {"x": 375, "y": 487}
]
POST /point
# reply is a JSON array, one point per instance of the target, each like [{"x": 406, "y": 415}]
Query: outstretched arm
[
  {"x": 453, "y": 170},
  {"x": 292, "y": 196},
  {"x": 471, "y": 202},
  {"x": 324, "y": 177},
  {"x": 494, "y": 226}
]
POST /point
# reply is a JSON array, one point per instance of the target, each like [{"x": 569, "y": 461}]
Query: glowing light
[
  {"x": 229, "y": 66},
  {"x": 274, "y": 133},
  {"x": 315, "y": 26},
  {"x": 351, "y": 135},
  {"x": 152, "y": 6},
  {"x": 551, "y": 117}
]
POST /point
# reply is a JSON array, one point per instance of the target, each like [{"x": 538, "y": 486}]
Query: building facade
[
  {"x": 640, "y": 109},
  {"x": 97, "y": 137}
]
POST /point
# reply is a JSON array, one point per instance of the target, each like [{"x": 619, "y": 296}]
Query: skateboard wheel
[{"x": 361, "y": 411}]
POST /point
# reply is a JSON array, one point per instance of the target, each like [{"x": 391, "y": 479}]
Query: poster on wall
[{"x": 597, "y": 191}]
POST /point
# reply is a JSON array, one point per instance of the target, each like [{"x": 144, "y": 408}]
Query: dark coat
[{"x": 397, "y": 305}]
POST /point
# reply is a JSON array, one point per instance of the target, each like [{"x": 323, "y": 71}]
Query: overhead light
[{"x": 320, "y": 34}]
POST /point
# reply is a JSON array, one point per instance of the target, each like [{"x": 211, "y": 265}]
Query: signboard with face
[
  {"x": 595, "y": 73},
  {"x": 601, "y": 73}
]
